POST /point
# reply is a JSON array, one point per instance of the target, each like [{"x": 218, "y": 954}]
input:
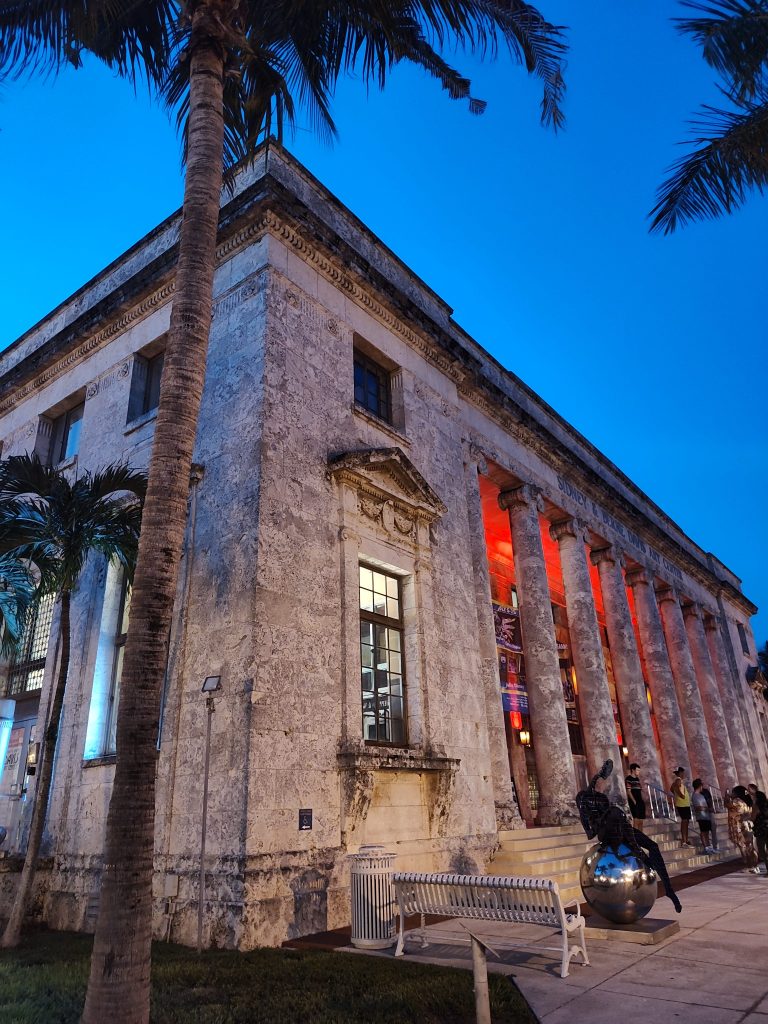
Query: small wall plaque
[{"x": 305, "y": 819}]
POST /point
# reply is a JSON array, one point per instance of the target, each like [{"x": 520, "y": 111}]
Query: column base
[{"x": 508, "y": 816}]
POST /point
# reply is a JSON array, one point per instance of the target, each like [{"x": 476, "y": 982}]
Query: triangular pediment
[{"x": 390, "y": 474}]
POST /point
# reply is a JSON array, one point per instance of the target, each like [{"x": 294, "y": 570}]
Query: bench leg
[
  {"x": 400, "y": 949},
  {"x": 570, "y": 951},
  {"x": 423, "y": 934}
]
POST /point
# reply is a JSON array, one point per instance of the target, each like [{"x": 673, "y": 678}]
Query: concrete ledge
[{"x": 647, "y": 932}]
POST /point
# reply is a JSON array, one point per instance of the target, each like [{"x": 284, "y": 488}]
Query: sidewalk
[{"x": 714, "y": 971}]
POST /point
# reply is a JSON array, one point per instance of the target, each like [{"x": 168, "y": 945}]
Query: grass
[{"x": 43, "y": 982}]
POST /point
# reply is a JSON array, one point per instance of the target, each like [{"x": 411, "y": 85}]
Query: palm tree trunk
[
  {"x": 12, "y": 932},
  {"x": 118, "y": 987}
]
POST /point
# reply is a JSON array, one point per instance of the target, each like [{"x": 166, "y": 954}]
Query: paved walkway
[{"x": 714, "y": 971}]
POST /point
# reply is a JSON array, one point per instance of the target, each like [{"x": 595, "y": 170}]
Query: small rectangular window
[
  {"x": 743, "y": 638},
  {"x": 381, "y": 657},
  {"x": 65, "y": 436},
  {"x": 152, "y": 385},
  {"x": 372, "y": 387},
  {"x": 144, "y": 396}
]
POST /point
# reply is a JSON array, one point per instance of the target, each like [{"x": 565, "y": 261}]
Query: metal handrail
[{"x": 660, "y": 803}]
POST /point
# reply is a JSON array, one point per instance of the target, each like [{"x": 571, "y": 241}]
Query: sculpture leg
[{"x": 656, "y": 861}]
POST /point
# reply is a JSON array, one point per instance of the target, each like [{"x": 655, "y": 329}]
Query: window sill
[
  {"x": 396, "y": 759},
  {"x": 381, "y": 424},
  {"x": 145, "y": 417},
  {"x": 97, "y": 762},
  {"x": 66, "y": 464}
]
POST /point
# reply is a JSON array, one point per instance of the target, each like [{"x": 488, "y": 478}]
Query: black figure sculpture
[{"x": 620, "y": 847}]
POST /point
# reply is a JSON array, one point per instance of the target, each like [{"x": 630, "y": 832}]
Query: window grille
[{"x": 27, "y": 665}]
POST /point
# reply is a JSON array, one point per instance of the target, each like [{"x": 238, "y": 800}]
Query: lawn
[{"x": 43, "y": 982}]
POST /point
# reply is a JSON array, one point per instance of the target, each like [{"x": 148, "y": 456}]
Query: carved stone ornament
[
  {"x": 390, "y": 490},
  {"x": 359, "y": 764}
]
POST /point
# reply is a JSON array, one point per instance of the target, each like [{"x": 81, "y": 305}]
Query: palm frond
[
  {"x": 733, "y": 36},
  {"x": 732, "y": 159},
  {"x": 130, "y": 36},
  {"x": 54, "y": 523},
  {"x": 17, "y": 596}
]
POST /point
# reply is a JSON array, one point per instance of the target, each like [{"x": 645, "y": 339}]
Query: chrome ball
[{"x": 617, "y": 884}]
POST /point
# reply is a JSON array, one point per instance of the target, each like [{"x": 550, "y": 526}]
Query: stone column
[
  {"x": 627, "y": 668},
  {"x": 710, "y": 698},
  {"x": 660, "y": 681},
  {"x": 551, "y": 741},
  {"x": 597, "y": 722},
  {"x": 688, "y": 696},
  {"x": 507, "y": 812},
  {"x": 734, "y": 718}
]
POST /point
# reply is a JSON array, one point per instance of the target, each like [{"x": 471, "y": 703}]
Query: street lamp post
[{"x": 210, "y": 686}]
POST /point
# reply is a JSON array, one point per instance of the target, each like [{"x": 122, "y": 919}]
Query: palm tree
[
  {"x": 234, "y": 70},
  {"x": 17, "y": 593},
  {"x": 732, "y": 155},
  {"x": 54, "y": 525}
]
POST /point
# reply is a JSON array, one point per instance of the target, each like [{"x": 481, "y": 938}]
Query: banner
[{"x": 506, "y": 621}]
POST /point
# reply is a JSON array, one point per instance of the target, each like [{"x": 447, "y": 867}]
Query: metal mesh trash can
[{"x": 373, "y": 898}]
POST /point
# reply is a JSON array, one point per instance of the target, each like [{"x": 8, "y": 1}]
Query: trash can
[{"x": 373, "y": 898}]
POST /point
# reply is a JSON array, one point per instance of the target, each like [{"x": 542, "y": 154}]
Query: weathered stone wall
[{"x": 293, "y": 486}]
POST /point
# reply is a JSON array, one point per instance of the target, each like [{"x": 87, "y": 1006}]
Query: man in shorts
[
  {"x": 703, "y": 817},
  {"x": 682, "y": 799}
]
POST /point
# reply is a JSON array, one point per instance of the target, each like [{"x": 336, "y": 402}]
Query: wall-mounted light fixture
[
  {"x": 525, "y": 737},
  {"x": 625, "y": 751}
]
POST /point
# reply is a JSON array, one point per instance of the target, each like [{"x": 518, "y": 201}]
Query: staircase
[{"x": 556, "y": 852}]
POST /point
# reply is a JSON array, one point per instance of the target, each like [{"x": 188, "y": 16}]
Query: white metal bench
[{"x": 491, "y": 898}]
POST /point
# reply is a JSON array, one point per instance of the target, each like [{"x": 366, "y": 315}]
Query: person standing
[
  {"x": 739, "y": 804},
  {"x": 711, "y": 805},
  {"x": 635, "y": 797},
  {"x": 760, "y": 824},
  {"x": 703, "y": 819},
  {"x": 682, "y": 800}
]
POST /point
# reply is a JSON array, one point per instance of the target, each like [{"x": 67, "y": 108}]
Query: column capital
[
  {"x": 692, "y": 611},
  {"x": 570, "y": 527},
  {"x": 637, "y": 577},
  {"x": 665, "y": 593},
  {"x": 522, "y": 496},
  {"x": 610, "y": 555},
  {"x": 710, "y": 622}
]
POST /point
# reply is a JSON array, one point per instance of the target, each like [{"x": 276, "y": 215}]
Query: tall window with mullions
[
  {"x": 27, "y": 666},
  {"x": 121, "y": 636},
  {"x": 381, "y": 657}
]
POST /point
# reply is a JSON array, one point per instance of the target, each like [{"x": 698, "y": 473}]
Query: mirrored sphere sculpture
[{"x": 616, "y": 883}]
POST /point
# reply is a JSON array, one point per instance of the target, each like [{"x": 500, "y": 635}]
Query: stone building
[{"x": 434, "y": 606}]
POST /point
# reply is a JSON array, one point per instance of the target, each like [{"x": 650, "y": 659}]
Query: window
[
  {"x": 381, "y": 657},
  {"x": 27, "y": 665},
  {"x": 145, "y": 385},
  {"x": 743, "y": 638},
  {"x": 152, "y": 386},
  {"x": 110, "y": 742},
  {"x": 65, "y": 437},
  {"x": 372, "y": 387}
]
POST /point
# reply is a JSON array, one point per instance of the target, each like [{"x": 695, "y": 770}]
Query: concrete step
[{"x": 558, "y": 853}]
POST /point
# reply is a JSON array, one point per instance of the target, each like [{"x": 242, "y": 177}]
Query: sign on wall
[{"x": 13, "y": 756}]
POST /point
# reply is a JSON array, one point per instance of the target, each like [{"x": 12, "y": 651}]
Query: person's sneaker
[
  {"x": 689, "y": 845},
  {"x": 708, "y": 849},
  {"x": 755, "y": 871},
  {"x": 715, "y": 849}
]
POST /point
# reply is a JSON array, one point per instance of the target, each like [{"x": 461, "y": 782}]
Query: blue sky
[{"x": 653, "y": 347}]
